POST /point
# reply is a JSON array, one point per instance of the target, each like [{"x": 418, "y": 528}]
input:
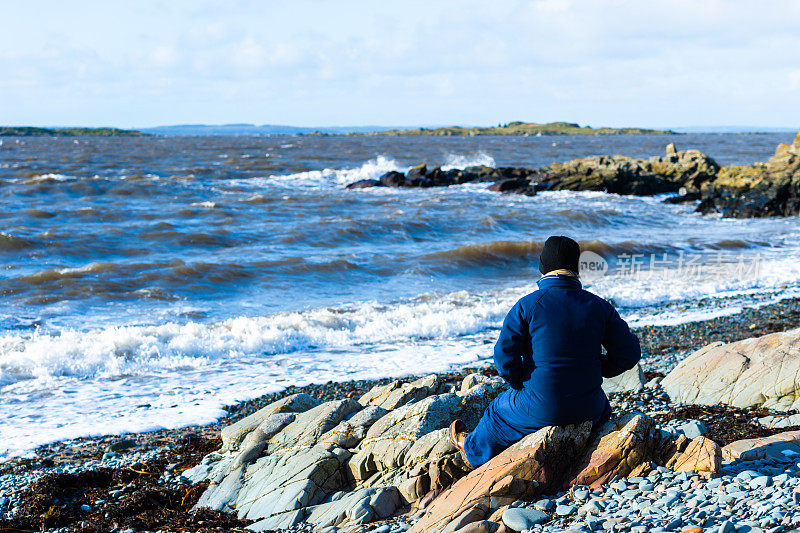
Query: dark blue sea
[{"x": 147, "y": 282}]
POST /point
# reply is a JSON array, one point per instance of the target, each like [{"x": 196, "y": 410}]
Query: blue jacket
[{"x": 549, "y": 351}]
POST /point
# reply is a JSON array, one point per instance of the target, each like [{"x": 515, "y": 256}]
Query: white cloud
[
  {"x": 164, "y": 56},
  {"x": 605, "y": 62},
  {"x": 249, "y": 54},
  {"x": 793, "y": 79},
  {"x": 552, "y": 5}
]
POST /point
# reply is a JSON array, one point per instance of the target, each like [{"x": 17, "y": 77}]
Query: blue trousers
[{"x": 495, "y": 431}]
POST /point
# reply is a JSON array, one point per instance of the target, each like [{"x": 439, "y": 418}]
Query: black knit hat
[{"x": 559, "y": 252}]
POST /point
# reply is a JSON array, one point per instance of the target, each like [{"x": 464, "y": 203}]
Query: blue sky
[{"x": 324, "y": 63}]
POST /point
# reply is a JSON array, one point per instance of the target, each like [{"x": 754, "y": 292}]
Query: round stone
[
  {"x": 565, "y": 510},
  {"x": 521, "y": 518},
  {"x": 581, "y": 494}
]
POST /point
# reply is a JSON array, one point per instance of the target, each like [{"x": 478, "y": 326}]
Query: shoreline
[
  {"x": 662, "y": 348},
  {"x": 150, "y": 463}
]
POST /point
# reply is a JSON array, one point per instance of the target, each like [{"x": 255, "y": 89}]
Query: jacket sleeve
[
  {"x": 512, "y": 345},
  {"x": 622, "y": 347}
]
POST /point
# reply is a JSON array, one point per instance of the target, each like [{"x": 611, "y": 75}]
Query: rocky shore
[
  {"x": 742, "y": 191},
  {"x": 713, "y": 445}
]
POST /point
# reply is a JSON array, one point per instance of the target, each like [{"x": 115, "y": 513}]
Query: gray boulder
[
  {"x": 360, "y": 506},
  {"x": 279, "y": 483},
  {"x": 632, "y": 380},
  {"x": 234, "y": 434},
  {"x": 395, "y": 394},
  {"x": 757, "y": 372},
  {"x": 521, "y": 519}
]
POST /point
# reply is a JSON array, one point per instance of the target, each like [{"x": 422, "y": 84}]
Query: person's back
[
  {"x": 563, "y": 373},
  {"x": 549, "y": 351}
]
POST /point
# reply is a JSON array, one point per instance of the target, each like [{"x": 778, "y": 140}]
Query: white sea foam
[
  {"x": 136, "y": 378},
  {"x": 206, "y": 204},
  {"x": 143, "y": 350},
  {"x": 50, "y": 177},
  {"x": 50, "y": 409},
  {"x": 463, "y": 161},
  {"x": 372, "y": 169}
]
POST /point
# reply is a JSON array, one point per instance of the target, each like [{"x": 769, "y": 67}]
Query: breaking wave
[
  {"x": 367, "y": 327},
  {"x": 139, "y": 350},
  {"x": 373, "y": 169},
  {"x": 463, "y": 161}
]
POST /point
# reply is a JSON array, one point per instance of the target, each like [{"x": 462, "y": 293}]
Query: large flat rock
[
  {"x": 360, "y": 506},
  {"x": 290, "y": 461},
  {"x": 344, "y": 510},
  {"x": 307, "y": 428},
  {"x": 394, "y": 394},
  {"x": 351, "y": 431},
  {"x": 761, "y": 371},
  {"x": 535, "y": 464},
  {"x": 783, "y": 447},
  {"x": 409, "y": 447}
]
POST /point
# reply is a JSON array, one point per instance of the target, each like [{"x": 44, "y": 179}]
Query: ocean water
[{"x": 147, "y": 282}]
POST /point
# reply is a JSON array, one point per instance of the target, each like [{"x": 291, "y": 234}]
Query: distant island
[
  {"x": 512, "y": 128},
  {"x": 252, "y": 129},
  {"x": 29, "y": 131},
  {"x": 524, "y": 128}
]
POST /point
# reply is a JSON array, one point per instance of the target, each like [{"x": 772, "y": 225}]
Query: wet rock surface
[{"x": 762, "y": 189}]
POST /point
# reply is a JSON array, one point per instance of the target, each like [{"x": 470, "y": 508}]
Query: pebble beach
[{"x": 756, "y": 495}]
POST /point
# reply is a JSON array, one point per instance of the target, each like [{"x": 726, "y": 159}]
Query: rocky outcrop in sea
[{"x": 757, "y": 190}]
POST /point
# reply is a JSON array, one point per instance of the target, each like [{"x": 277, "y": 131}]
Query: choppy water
[{"x": 146, "y": 282}]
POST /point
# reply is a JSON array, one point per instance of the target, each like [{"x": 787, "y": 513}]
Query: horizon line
[{"x": 743, "y": 128}]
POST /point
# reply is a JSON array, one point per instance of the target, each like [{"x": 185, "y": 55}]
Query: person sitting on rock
[{"x": 549, "y": 352}]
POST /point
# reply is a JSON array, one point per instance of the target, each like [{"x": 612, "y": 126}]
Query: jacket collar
[{"x": 559, "y": 280}]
